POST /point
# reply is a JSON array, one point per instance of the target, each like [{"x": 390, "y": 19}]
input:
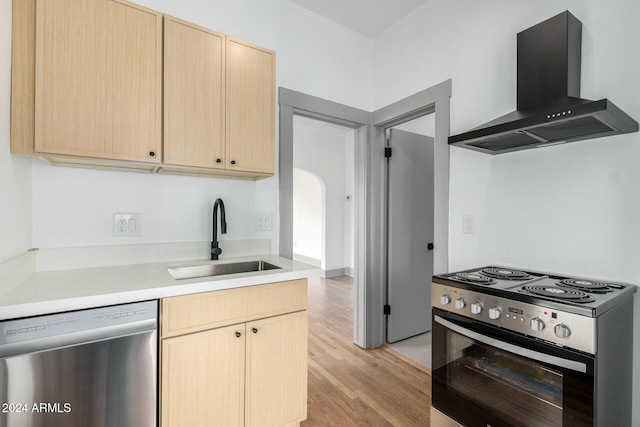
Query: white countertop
[{"x": 58, "y": 291}]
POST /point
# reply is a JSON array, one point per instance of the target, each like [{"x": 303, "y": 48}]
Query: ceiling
[{"x": 367, "y": 17}]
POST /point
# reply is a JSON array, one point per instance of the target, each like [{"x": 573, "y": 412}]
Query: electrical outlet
[
  {"x": 126, "y": 225},
  {"x": 264, "y": 222},
  {"x": 469, "y": 224}
]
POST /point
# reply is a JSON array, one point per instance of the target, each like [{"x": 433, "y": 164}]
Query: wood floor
[{"x": 349, "y": 386}]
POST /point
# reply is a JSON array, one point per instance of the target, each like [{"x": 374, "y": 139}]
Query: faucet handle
[{"x": 216, "y": 251}]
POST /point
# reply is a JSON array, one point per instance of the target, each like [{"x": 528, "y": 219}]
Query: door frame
[{"x": 369, "y": 215}]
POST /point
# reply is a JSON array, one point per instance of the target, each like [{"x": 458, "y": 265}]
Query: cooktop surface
[{"x": 594, "y": 296}]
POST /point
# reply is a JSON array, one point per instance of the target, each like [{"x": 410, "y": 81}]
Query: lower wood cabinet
[
  {"x": 252, "y": 373},
  {"x": 276, "y": 370},
  {"x": 203, "y": 378}
]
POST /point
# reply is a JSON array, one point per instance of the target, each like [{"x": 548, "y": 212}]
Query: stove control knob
[
  {"x": 537, "y": 324},
  {"x": 445, "y": 299},
  {"x": 476, "y": 308},
  {"x": 460, "y": 303},
  {"x": 495, "y": 313},
  {"x": 562, "y": 331}
]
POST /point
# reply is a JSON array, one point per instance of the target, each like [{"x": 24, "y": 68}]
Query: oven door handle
[{"x": 524, "y": 352}]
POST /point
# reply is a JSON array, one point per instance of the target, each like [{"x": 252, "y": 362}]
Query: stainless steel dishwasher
[{"x": 95, "y": 367}]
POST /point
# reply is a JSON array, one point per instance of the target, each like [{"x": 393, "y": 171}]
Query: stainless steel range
[{"x": 522, "y": 348}]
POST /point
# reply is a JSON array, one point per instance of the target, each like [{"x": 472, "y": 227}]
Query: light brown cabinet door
[
  {"x": 250, "y": 107},
  {"x": 193, "y": 95},
  {"x": 276, "y": 393},
  {"x": 98, "y": 80},
  {"x": 202, "y": 379}
]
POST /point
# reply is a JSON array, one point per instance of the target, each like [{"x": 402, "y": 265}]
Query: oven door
[{"x": 489, "y": 377}]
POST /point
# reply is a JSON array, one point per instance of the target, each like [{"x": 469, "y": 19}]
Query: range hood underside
[{"x": 522, "y": 130}]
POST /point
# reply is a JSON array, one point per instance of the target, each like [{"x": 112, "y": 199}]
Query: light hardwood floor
[{"x": 349, "y": 386}]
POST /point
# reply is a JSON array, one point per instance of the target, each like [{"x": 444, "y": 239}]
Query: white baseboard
[
  {"x": 345, "y": 271},
  {"x": 307, "y": 260},
  {"x": 333, "y": 273}
]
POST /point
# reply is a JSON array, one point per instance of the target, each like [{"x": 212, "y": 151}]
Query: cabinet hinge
[
  {"x": 387, "y": 309},
  {"x": 387, "y": 152}
]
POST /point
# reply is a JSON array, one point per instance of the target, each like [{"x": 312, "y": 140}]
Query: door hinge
[
  {"x": 387, "y": 309},
  {"x": 387, "y": 152},
  {"x": 430, "y": 246}
]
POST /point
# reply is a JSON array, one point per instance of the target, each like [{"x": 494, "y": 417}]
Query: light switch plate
[
  {"x": 264, "y": 222},
  {"x": 126, "y": 224}
]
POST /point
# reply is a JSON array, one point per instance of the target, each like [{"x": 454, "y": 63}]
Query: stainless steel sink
[{"x": 205, "y": 270}]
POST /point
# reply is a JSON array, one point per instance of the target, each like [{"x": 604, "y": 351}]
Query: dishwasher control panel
[{"x": 49, "y": 325}]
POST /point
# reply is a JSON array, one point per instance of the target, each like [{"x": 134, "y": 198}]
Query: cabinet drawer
[{"x": 197, "y": 312}]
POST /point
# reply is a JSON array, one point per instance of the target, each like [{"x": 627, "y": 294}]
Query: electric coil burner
[
  {"x": 589, "y": 286},
  {"x": 505, "y": 273},
  {"x": 508, "y": 342},
  {"x": 476, "y": 278},
  {"x": 555, "y": 292}
]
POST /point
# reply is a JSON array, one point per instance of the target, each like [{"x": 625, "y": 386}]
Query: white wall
[
  {"x": 571, "y": 209},
  {"x": 321, "y": 150},
  {"x": 73, "y": 207},
  {"x": 314, "y": 55},
  {"x": 308, "y": 217},
  {"x": 15, "y": 172}
]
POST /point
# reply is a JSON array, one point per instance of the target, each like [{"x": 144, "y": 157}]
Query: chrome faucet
[{"x": 215, "y": 250}]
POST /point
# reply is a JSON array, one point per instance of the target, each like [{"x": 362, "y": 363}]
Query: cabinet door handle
[
  {"x": 238, "y": 334},
  {"x": 152, "y": 153},
  {"x": 218, "y": 160},
  {"x": 233, "y": 162},
  {"x": 254, "y": 330}
]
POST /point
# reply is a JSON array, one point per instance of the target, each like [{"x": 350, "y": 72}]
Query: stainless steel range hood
[{"x": 549, "y": 108}]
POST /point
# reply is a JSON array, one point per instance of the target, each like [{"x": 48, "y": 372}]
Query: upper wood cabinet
[
  {"x": 250, "y": 107},
  {"x": 219, "y": 103},
  {"x": 100, "y": 83},
  {"x": 194, "y": 86},
  {"x": 98, "y": 80}
]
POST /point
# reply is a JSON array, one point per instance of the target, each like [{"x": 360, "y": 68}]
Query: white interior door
[{"x": 409, "y": 234}]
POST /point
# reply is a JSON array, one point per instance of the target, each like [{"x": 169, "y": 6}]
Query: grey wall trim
[
  {"x": 441, "y": 185},
  {"x": 376, "y": 266},
  {"x": 361, "y": 232},
  {"x": 412, "y": 106},
  {"x": 369, "y": 184},
  {"x": 432, "y": 100},
  {"x": 286, "y": 181},
  {"x": 311, "y": 106}
]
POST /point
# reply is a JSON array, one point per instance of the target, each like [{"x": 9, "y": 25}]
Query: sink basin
[{"x": 205, "y": 270}]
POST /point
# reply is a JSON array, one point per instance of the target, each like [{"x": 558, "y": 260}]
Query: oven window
[{"x": 516, "y": 389}]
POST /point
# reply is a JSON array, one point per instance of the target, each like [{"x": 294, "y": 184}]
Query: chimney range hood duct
[{"x": 550, "y": 110}]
